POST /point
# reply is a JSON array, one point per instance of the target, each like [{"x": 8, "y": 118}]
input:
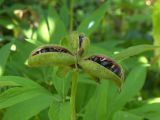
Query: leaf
[
  {"x": 62, "y": 84},
  {"x": 96, "y": 109},
  {"x": 131, "y": 87},
  {"x": 1, "y": 1},
  {"x": 131, "y": 51},
  {"x": 43, "y": 35},
  {"x": 4, "y": 52},
  {"x": 16, "y": 95},
  {"x": 90, "y": 24},
  {"x": 85, "y": 90},
  {"x": 15, "y": 80},
  {"x": 59, "y": 111},
  {"x": 148, "y": 110},
  {"x": 56, "y": 26},
  {"x": 121, "y": 115},
  {"x": 156, "y": 25},
  {"x": 26, "y": 89},
  {"x": 28, "y": 108},
  {"x": 64, "y": 13}
]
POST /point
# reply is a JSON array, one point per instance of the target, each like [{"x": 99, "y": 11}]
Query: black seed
[
  {"x": 80, "y": 40},
  {"x": 95, "y": 59},
  {"x": 117, "y": 71},
  {"x": 102, "y": 59},
  {"x": 38, "y": 52},
  {"x": 43, "y": 50},
  {"x": 107, "y": 64},
  {"x": 56, "y": 50},
  {"x": 48, "y": 49}
]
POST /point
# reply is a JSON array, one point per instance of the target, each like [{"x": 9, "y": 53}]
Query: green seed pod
[
  {"x": 102, "y": 67},
  {"x": 76, "y": 42},
  {"x": 50, "y": 55},
  {"x": 84, "y": 43}
]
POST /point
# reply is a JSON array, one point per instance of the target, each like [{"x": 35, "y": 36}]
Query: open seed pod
[
  {"x": 84, "y": 43},
  {"x": 76, "y": 42},
  {"x": 50, "y": 55},
  {"x": 102, "y": 67}
]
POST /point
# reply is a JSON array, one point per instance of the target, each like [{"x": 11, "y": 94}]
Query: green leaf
[
  {"x": 131, "y": 51},
  {"x": 133, "y": 84},
  {"x": 90, "y": 24},
  {"x": 26, "y": 89},
  {"x": 96, "y": 109},
  {"x": 85, "y": 90},
  {"x": 121, "y": 115},
  {"x": 156, "y": 25},
  {"x": 4, "y": 52},
  {"x": 30, "y": 108},
  {"x": 1, "y": 1},
  {"x": 62, "y": 84},
  {"x": 59, "y": 111},
  {"x": 148, "y": 110},
  {"x": 43, "y": 34},
  {"x": 56, "y": 26},
  {"x": 15, "y": 80},
  {"x": 64, "y": 14},
  {"x": 16, "y": 95}
]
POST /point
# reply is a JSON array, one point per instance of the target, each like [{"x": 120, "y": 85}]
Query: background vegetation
[{"x": 112, "y": 26}]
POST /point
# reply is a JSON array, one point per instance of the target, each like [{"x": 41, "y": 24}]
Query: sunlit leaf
[
  {"x": 56, "y": 26},
  {"x": 89, "y": 24},
  {"x": 131, "y": 51}
]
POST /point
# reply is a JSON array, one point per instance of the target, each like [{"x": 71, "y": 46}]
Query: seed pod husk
[
  {"x": 76, "y": 42},
  {"x": 50, "y": 55},
  {"x": 84, "y": 43},
  {"x": 103, "y": 67}
]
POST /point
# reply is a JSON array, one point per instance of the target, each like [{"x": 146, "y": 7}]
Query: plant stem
[
  {"x": 71, "y": 15},
  {"x": 74, "y": 89},
  {"x": 73, "y": 94}
]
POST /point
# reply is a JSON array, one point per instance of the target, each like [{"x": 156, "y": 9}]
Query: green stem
[
  {"x": 73, "y": 94},
  {"x": 71, "y": 15}
]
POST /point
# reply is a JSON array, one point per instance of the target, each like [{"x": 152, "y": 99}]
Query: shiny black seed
[
  {"x": 43, "y": 51},
  {"x": 107, "y": 64},
  {"x": 96, "y": 59},
  {"x": 38, "y": 52},
  {"x": 48, "y": 49},
  {"x": 102, "y": 59},
  {"x": 116, "y": 70}
]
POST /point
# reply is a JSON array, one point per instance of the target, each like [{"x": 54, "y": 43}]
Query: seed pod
[
  {"x": 76, "y": 42},
  {"x": 102, "y": 67},
  {"x": 49, "y": 55},
  {"x": 84, "y": 43}
]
